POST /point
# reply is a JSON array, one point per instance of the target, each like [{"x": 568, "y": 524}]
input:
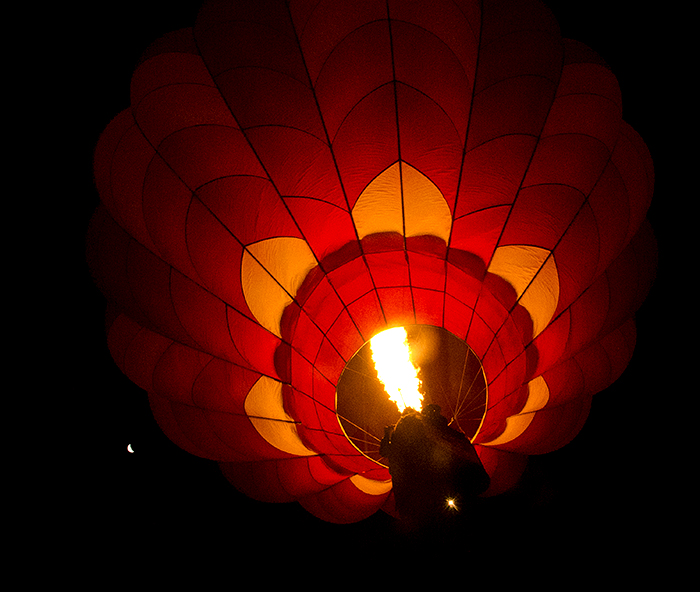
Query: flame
[{"x": 395, "y": 370}]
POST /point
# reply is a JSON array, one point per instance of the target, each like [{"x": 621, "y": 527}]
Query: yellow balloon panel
[
  {"x": 403, "y": 200},
  {"x": 271, "y": 273},
  {"x": 533, "y": 274},
  {"x": 265, "y": 408}
]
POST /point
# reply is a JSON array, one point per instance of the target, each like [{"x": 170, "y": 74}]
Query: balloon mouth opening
[{"x": 449, "y": 374}]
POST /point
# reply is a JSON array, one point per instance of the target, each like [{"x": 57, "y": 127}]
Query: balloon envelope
[{"x": 291, "y": 180}]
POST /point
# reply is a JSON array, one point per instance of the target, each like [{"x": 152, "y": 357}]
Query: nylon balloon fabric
[{"x": 291, "y": 178}]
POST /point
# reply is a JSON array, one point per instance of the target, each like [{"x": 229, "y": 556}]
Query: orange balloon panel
[{"x": 291, "y": 179}]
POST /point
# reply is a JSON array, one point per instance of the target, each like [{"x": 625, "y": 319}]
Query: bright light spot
[
  {"x": 395, "y": 370},
  {"x": 451, "y": 503}
]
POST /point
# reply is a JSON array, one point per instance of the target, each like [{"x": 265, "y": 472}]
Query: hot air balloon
[{"x": 291, "y": 180}]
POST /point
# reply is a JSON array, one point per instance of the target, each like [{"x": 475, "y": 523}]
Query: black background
[{"x": 608, "y": 497}]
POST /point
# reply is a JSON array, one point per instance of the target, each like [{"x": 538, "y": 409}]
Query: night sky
[{"x": 610, "y": 489}]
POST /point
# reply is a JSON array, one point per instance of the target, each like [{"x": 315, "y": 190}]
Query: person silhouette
[{"x": 430, "y": 464}]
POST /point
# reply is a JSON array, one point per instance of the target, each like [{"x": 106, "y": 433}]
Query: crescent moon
[{"x": 129, "y": 448}]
